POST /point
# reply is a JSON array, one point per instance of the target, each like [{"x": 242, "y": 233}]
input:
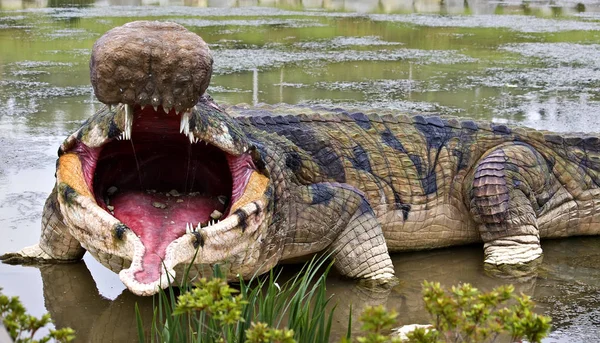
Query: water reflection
[
  {"x": 551, "y": 8},
  {"x": 71, "y": 294}
]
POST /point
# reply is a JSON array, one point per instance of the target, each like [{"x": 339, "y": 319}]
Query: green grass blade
[
  {"x": 349, "y": 332},
  {"x": 140, "y": 325}
]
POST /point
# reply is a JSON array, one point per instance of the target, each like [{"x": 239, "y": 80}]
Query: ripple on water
[
  {"x": 511, "y": 22},
  {"x": 558, "y": 114},
  {"x": 70, "y": 33},
  {"x": 40, "y": 64},
  {"x": 72, "y": 52},
  {"x": 28, "y": 73},
  {"x": 39, "y": 90},
  {"x": 375, "y": 89},
  {"x": 21, "y": 97},
  {"x": 23, "y": 207},
  {"x": 556, "y": 54},
  {"x": 14, "y": 22},
  {"x": 288, "y": 23},
  {"x": 228, "y": 60},
  {"x": 222, "y": 89},
  {"x": 574, "y": 308},
  {"x": 403, "y": 106},
  {"x": 166, "y": 11},
  {"x": 343, "y": 42},
  {"x": 546, "y": 80}
]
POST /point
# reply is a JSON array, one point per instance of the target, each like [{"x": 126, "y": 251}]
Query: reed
[{"x": 262, "y": 309}]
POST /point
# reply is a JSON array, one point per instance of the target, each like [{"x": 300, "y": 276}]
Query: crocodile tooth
[
  {"x": 128, "y": 121},
  {"x": 188, "y": 228},
  {"x": 191, "y": 137},
  {"x": 155, "y": 108},
  {"x": 109, "y": 108},
  {"x": 184, "y": 126}
]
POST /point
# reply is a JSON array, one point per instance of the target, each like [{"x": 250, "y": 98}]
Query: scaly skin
[
  {"x": 435, "y": 182},
  {"x": 303, "y": 181}
]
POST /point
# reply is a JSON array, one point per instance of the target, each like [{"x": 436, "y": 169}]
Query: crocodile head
[{"x": 161, "y": 176}]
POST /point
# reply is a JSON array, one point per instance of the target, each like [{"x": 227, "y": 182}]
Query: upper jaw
[{"x": 206, "y": 121}]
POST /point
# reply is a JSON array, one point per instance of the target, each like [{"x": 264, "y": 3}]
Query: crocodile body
[
  {"x": 438, "y": 181},
  {"x": 163, "y": 177}
]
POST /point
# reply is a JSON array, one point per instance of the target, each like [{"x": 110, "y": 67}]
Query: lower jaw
[
  {"x": 227, "y": 240},
  {"x": 158, "y": 219}
]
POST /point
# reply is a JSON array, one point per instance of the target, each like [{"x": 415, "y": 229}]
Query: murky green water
[{"x": 535, "y": 63}]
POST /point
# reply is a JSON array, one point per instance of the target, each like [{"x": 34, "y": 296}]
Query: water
[{"x": 534, "y": 63}]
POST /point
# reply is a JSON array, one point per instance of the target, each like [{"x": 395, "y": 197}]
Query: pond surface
[{"x": 534, "y": 63}]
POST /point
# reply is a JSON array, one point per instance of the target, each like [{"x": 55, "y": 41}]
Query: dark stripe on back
[
  {"x": 390, "y": 140},
  {"x": 321, "y": 194},
  {"x": 361, "y": 120},
  {"x": 360, "y": 159}
]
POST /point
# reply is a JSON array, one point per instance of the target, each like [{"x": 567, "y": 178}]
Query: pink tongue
[{"x": 158, "y": 220}]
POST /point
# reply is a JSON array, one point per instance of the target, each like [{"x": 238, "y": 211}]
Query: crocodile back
[{"x": 414, "y": 169}]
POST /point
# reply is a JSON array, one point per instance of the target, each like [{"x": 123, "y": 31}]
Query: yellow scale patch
[
  {"x": 70, "y": 172},
  {"x": 255, "y": 190}
]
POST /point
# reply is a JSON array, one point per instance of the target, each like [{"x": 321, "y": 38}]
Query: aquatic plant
[
  {"x": 377, "y": 325},
  {"x": 22, "y": 327},
  {"x": 465, "y": 314},
  {"x": 260, "y": 311}
]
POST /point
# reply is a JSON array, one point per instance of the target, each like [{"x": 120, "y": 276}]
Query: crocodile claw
[{"x": 29, "y": 255}]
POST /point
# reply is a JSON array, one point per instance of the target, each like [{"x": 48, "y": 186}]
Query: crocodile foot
[
  {"x": 512, "y": 250},
  {"x": 516, "y": 257},
  {"x": 380, "y": 281},
  {"x": 29, "y": 255}
]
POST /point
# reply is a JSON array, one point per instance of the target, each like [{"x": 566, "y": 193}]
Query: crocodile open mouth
[
  {"x": 162, "y": 182},
  {"x": 161, "y": 176}
]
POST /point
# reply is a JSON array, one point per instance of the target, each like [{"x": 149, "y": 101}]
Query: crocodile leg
[
  {"x": 337, "y": 218},
  {"x": 510, "y": 184},
  {"x": 360, "y": 250},
  {"x": 56, "y": 243}
]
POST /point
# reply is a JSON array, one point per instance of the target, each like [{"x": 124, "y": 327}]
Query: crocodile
[{"x": 162, "y": 181}]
